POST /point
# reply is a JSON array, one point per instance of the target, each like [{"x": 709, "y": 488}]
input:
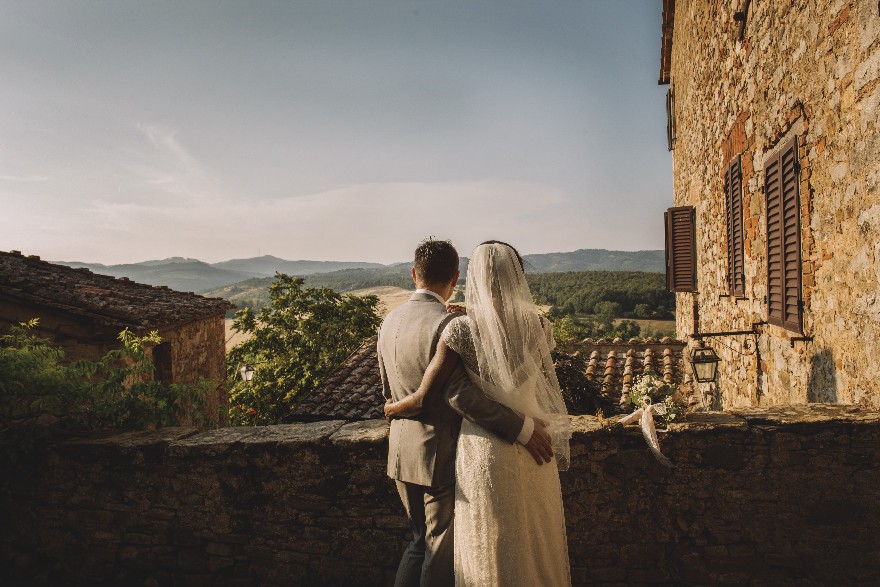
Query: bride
[{"x": 509, "y": 522}]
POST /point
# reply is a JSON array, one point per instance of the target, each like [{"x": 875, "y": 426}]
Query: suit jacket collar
[{"x": 424, "y": 297}]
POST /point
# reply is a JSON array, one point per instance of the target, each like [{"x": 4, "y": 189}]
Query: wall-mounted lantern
[
  {"x": 247, "y": 373},
  {"x": 704, "y": 362}
]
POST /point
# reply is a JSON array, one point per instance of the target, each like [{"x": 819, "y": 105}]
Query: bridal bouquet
[
  {"x": 650, "y": 389},
  {"x": 651, "y": 396}
]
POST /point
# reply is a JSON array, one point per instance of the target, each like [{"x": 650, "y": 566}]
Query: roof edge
[{"x": 667, "y": 29}]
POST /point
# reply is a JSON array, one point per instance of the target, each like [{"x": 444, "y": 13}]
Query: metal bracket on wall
[
  {"x": 795, "y": 339},
  {"x": 741, "y": 17}
]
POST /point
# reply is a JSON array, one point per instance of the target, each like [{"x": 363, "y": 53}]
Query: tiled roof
[
  {"x": 615, "y": 364},
  {"x": 102, "y": 299},
  {"x": 352, "y": 392}
]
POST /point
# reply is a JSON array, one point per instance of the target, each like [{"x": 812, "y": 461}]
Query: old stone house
[
  {"x": 774, "y": 128},
  {"x": 84, "y": 312}
]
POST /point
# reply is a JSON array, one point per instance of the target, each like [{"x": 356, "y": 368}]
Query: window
[
  {"x": 163, "y": 363},
  {"x": 784, "y": 302},
  {"x": 736, "y": 281},
  {"x": 681, "y": 249}
]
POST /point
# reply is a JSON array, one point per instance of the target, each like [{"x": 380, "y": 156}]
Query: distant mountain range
[{"x": 184, "y": 274}]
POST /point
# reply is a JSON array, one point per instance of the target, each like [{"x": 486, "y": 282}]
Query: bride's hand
[
  {"x": 390, "y": 413},
  {"x": 409, "y": 406}
]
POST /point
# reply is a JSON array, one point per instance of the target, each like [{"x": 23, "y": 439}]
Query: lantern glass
[
  {"x": 246, "y": 372},
  {"x": 705, "y": 364}
]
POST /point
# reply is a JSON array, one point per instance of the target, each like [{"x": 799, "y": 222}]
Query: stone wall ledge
[
  {"x": 180, "y": 441},
  {"x": 782, "y": 496}
]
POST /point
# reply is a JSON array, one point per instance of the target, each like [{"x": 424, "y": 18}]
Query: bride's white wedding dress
[{"x": 509, "y": 519}]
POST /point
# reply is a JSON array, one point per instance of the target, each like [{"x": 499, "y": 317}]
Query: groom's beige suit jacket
[{"x": 421, "y": 449}]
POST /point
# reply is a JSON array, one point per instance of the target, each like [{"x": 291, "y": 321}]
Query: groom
[{"x": 421, "y": 449}]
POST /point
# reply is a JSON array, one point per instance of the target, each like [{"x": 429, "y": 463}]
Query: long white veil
[{"x": 513, "y": 343}]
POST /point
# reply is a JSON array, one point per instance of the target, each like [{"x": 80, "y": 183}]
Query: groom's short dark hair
[{"x": 435, "y": 262}]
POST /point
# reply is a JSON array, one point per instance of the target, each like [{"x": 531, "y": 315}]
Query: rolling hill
[
  {"x": 186, "y": 274},
  {"x": 179, "y": 274},
  {"x": 267, "y": 266}
]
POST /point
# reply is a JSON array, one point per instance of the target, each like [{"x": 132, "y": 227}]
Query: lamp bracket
[{"x": 699, "y": 335}]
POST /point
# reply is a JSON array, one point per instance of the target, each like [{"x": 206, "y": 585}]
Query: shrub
[{"x": 42, "y": 396}]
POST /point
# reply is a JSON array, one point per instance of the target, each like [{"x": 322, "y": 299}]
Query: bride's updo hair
[
  {"x": 435, "y": 262},
  {"x": 518, "y": 257}
]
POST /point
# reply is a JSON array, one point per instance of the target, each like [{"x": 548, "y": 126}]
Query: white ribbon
[{"x": 646, "y": 416}]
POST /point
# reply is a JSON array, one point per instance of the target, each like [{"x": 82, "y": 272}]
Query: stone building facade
[
  {"x": 774, "y": 124},
  {"x": 83, "y": 313}
]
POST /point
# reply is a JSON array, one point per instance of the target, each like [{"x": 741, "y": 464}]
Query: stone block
[
  {"x": 367, "y": 432},
  {"x": 293, "y": 435},
  {"x": 212, "y": 443}
]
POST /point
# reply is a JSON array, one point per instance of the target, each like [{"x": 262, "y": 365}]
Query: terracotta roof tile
[
  {"x": 352, "y": 392},
  {"x": 615, "y": 365},
  {"x": 102, "y": 299}
]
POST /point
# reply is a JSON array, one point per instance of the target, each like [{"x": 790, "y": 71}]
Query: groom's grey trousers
[{"x": 421, "y": 449}]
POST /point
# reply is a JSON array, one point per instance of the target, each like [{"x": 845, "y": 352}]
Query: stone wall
[
  {"x": 778, "y": 496},
  {"x": 198, "y": 351},
  {"x": 811, "y": 68},
  {"x": 197, "y": 347}
]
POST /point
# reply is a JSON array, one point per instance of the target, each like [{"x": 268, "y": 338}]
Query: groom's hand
[{"x": 539, "y": 444}]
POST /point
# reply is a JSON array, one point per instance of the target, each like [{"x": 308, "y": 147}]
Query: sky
[{"x": 329, "y": 129}]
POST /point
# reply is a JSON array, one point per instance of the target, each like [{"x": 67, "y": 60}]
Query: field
[
  {"x": 662, "y": 326},
  {"x": 389, "y": 298}
]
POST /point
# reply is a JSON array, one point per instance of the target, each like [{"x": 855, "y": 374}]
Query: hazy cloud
[{"x": 329, "y": 129}]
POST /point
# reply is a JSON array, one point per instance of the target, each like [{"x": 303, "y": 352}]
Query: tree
[
  {"x": 566, "y": 329},
  {"x": 642, "y": 311},
  {"x": 295, "y": 342},
  {"x": 607, "y": 309}
]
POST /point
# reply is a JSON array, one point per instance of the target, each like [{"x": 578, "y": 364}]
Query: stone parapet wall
[{"x": 779, "y": 496}]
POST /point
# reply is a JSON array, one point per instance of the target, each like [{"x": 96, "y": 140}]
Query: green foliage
[
  {"x": 41, "y": 395},
  {"x": 605, "y": 308},
  {"x": 569, "y": 329},
  {"x": 295, "y": 342},
  {"x": 591, "y": 292},
  {"x": 581, "y": 395},
  {"x": 642, "y": 311}
]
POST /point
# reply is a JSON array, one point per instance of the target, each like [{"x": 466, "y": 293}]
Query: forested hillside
[
  {"x": 616, "y": 293},
  {"x": 613, "y": 294},
  {"x": 596, "y": 260}
]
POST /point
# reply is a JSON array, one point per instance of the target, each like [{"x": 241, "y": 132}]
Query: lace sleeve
[{"x": 457, "y": 336}]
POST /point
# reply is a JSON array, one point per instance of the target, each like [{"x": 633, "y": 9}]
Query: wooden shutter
[
  {"x": 670, "y": 118},
  {"x": 784, "y": 303},
  {"x": 736, "y": 281},
  {"x": 681, "y": 249}
]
